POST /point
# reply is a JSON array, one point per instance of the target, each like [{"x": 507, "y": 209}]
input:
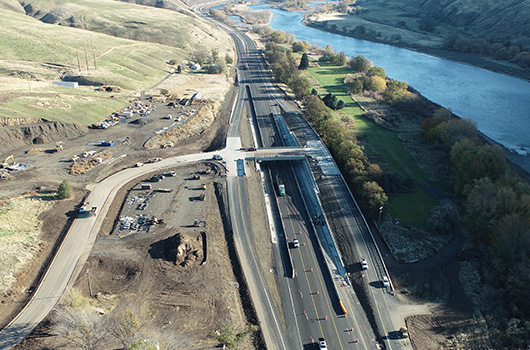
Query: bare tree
[
  {"x": 81, "y": 329},
  {"x": 124, "y": 327}
]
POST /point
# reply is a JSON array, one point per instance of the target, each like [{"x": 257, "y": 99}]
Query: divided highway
[{"x": 317, "y": 299}]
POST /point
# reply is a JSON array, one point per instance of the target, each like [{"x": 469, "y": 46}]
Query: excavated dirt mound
[
  {"x": 140, "y": 121},
  {"x": 182, "y": 250},
  {"x": 12, "y": 137}
]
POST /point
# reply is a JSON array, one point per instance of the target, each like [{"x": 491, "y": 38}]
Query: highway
[
  {"x": 339, "y": 206},
  {"x": 312, "y": 299},
  {"x": 311, "y": 294}
]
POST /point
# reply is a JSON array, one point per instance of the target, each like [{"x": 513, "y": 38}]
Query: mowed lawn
[{"x": 411, "y": 208}]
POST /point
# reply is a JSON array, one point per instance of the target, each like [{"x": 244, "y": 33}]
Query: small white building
[{"x": 70, "y": 84}]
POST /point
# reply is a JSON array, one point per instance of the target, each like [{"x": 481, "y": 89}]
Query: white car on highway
[
  {"x": 386, "y": 282},
  {"x": 364, "y": 264}
]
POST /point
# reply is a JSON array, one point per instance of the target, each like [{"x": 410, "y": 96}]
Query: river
[{"x": 499, "y": 104}]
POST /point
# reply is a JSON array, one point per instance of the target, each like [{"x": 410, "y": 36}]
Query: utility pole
[
  {"x": 89, "y": 284},
  {"x": 77, "y": 53},
  {"x": 86, "y": 57},
  {"x": 93, "y": 52}
]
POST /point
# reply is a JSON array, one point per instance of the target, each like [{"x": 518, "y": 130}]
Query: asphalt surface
[{"x": 316, "y": 296}]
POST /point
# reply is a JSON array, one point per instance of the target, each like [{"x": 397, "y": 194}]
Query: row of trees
[
  {"x": 284, "y": 69},
  {"x": 339, "y": 137},
  {"x": 368, "y": 77},
  {"x": 363, "y": 176},
  {"x": 499, "y": 51},
  {"x": 497, "y": 217},
  {"x": 210, "y": 60}
]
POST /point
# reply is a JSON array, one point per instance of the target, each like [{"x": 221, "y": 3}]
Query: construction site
[{"x": 162, "y": 251}]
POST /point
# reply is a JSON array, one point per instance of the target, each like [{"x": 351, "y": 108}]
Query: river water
[{"x": 499, "y": 104}]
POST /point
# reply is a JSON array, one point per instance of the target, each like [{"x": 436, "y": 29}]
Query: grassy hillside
[
  {"x": 498, "y": 21},
  {"x": 130, "y": 45}
]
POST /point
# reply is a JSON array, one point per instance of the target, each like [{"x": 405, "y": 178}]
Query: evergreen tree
[
  {"x": 65, "y": 190},
  {"x": 304, "y": 62}
]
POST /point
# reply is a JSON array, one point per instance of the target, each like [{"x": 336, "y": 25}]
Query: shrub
[{"x": 65, "y": 190}]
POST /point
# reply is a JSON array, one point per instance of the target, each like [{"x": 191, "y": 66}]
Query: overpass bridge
[{"x": 280, "y": 153}]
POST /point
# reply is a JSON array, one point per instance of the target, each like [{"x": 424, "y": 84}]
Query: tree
[
  {"x": 376, "y": 83},
  {"x": 214, "y": 56},
  {"x": 228, "y": 337},
  {"x": 444, "y": 219},
  {"x": 304, "y": 62},
  {"x": 374, "y": 196},
  {"x": 200, "y": 56},
  {"x": 124, "y": 327},
  {"x": 143, "y": 344},
  {"x": 396, "y": 91},
  {"x": 376, "y": 71},
  {"x": 300, "y": 86},
  {"x": 179, "y": 69},
  {"x": 300, "y": 46},
  {"x": 339, "y": 59},
  {"x": 216, "y": 68},
  {"x": 356, "y": 87},
  {"x": 65, "y": 190},
  {"x": 228, "y": 59},
  {"x": 360, "y": 64},
  {"x": 475, "y": 162},
  {"x": 454, "y": 130},
  {"x": 82, "y": 329},
  {"x": 333, "y": 102}
]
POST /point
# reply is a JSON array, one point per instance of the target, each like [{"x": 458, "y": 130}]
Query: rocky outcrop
[{"x": 13, "y": 137}]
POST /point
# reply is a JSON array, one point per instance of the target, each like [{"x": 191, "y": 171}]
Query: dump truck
[{"x": 404, "y": 332}]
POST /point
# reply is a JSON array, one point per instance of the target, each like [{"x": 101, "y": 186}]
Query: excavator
[{"x": 7, "y": 162}]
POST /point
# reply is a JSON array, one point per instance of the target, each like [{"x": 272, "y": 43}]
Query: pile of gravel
[{"x": 140, "y": 121}]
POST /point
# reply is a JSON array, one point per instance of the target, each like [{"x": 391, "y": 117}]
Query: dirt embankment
[{"x": 13, "y": 137}]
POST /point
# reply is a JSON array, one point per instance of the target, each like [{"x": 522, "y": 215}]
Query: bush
[
  {"x": 65, "y": 190},
  {"x": 360, "y": 64}
]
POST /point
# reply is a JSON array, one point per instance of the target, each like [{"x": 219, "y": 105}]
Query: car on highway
[
  {"x": 364, "y": 264},
  {"x": 386, "y": 282},
  {"x": 296, "y": 243},
  {"x": 252, "y": 149},
  {"x": 217, "y": 157},
  {"x": 322, "y": 344}
]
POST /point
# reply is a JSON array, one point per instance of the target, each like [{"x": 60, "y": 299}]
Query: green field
[{"x": 410, "y": 208}]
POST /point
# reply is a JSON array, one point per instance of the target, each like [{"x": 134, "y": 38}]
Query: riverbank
[{"x": 411, "y": 40}]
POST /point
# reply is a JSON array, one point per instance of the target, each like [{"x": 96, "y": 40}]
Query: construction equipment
[
  {"x": 59, "y": 147},
  {"x": 201, "y": 197},
  {"x": 75, "y": 158},
  {"x": 7, "y": 163},
  {"x": 199, "y": 223},
  {"x": 203, "y": 186},
  {"x": 404, "y": 332},
  {"x": 168, "y": 145}
]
